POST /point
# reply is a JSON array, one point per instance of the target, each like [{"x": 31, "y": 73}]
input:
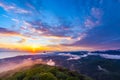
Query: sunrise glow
[{"x": 50, "y": 27}]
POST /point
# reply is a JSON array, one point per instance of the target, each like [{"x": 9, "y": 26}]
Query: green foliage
[
  {"x": 47, "y": 76},
  {"x": 19, "y": 76},
  {"x": 72, "y": 78},
  {"x": 44, "y": 72}
]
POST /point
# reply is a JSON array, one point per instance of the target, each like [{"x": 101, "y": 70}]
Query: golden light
[{"x": 35, "y": 47}]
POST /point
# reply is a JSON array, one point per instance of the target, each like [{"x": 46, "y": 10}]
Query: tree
[
  {"x": 47, "y": 76},
  {"x": 72, "y": 78}
]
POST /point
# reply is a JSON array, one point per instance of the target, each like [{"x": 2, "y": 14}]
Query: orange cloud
[{"x": 41, "y": 43}]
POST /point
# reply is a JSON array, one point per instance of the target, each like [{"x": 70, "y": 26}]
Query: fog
[{"x": 24, "y": 63}]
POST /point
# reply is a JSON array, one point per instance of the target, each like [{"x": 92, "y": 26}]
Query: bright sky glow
[{"x": 65, "y": 25}]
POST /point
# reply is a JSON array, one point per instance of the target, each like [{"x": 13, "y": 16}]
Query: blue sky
[{"x": 68, "y": 24}]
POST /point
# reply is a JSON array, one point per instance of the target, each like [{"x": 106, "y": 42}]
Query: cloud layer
[
  {"x": 24, "y": 63},
  {"x": 77, "y": 23}
]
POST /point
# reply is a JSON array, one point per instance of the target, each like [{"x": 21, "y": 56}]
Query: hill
[{"x": 45, "y": 72}]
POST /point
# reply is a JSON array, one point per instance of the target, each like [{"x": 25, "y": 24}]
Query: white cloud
[
  {"x": 15, "y": 20},
  {"x": 13, "y": 8},
  {"x": 76, "y": 57},
  {"x": 102, "y": 69},
  {"x": 71, "y": 56},
  {"x": 50, "y": 62},
  {"x": 107, "y": 56}
]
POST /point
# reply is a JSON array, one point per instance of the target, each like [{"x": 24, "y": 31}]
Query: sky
[{"x": 59, "y": 25}]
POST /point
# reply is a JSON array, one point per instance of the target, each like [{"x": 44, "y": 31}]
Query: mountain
[
  {"x": 100, "y": 65},
  {"x": 45, "y": 72},
  {"x": 114, "y": 52}
]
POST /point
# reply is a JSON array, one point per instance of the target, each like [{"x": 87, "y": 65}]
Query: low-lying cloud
[
  {"x": 71, "y": 56},
  {"x": 107, "y": 56},
  {"x": 25, "y": 63},
  {"x": 76, "y": 57}
]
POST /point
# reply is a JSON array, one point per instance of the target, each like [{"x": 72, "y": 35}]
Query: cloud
[
  {"x": 107, "y": 56},
  {"x": 73, "y": 30},
  {"x": 37, "y": 30},
  {"x": 102, "y": 37},
  {"x": 6, "y": 7},
  {"x": 15, "y": 20},
  {"x": 50, "y": 30},
  {"x": 94, "y": 19},
  {"x": 6, "y": 31},
  {"x": 102, "y": 69},
  {"x": 22, "y": 40},
  {"x": 76, "y": 57},
  {"x": 13, "y": 8},
  {"x": 71, "y": 56},
  {"x": 96, "y": 13},
  {"x": 50, "y": 24},
  {"x": 24, "y": 63},
  {"x": 88, "y": 24},
  {"x": 106, "y": 34},
  {"x": 50, "y": 62}
]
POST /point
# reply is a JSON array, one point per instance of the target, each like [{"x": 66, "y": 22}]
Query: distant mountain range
[{"x": 100, "y": 65}]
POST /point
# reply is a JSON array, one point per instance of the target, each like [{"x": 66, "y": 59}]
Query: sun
[{"x": 35, "y": 48}]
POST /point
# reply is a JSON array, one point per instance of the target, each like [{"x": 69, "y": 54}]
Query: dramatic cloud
[{"x": 77, "y": 23}]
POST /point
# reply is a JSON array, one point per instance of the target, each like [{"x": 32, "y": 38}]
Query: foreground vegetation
[{"x": 44, "y": 72}]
